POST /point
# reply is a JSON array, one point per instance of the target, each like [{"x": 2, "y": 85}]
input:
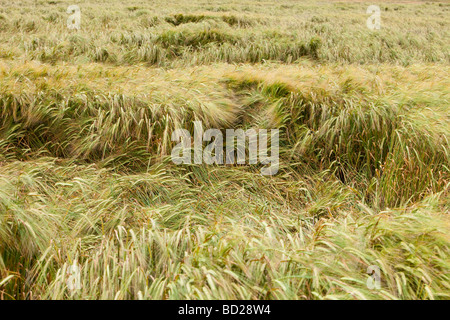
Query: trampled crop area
[{"x": 92, "y": 205}]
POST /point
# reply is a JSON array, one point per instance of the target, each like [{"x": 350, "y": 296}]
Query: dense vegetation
[{"x": 85, "y": 174}]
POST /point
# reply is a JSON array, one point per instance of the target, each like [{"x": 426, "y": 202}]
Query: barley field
[{"x": 87, "y": 182}]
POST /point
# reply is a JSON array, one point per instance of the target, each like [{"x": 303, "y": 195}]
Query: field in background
[{"x": 85, "y": 175}]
